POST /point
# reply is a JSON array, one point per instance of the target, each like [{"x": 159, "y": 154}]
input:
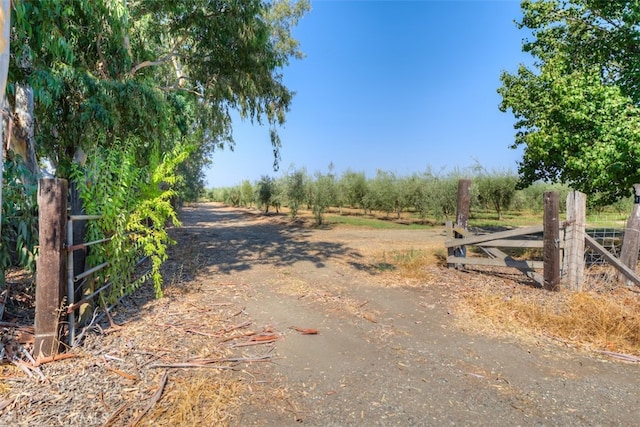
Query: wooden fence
[{"x": 563, "y": 244}]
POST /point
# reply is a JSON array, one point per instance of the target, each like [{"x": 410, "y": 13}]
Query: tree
[
  {"x": 155, "y": 81},
  {"x": 159, "y": 71},
  {"x": 577, "y": 108},
  {"x": 354, "y": 188},
  {"x": 295, "y": 190},
  {"x": 322, "y": 195},
  {"x": 5, "y": 23},
  {"x": 497, "y": 190},
  {"x": 383, "y": 191},
  {"x": 247, "y": 193},
  {"x": 264, "y": 192}
]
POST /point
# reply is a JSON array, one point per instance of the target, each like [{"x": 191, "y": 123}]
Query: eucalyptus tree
[
  {"x": 155, "y": 82},
  {"x": 577, "y": 106},
  {"x": 5, "y": 23},
  {"x": 103, "y": 71}
]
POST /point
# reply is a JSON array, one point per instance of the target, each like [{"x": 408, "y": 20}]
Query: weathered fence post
[
  {"x": 50, "y": 267},
  {"x": 551, "y": 237},
  {"x": 573, "y": 259},
  {"x": 462, "y": 211},
  {"x": 631, "y": 239}
]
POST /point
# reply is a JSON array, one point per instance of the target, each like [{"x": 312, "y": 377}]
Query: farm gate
[{"x": 563, "y": 244}]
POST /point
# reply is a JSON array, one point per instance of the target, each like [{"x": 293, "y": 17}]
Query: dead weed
[
  {"x": 198, "y": 398},
  {"x": 593, "y": 320}
]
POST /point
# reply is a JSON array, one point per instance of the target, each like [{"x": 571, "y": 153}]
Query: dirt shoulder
[{"x": 389, "y": 351}]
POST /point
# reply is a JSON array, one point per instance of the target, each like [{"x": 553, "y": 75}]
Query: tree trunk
[
  {"x": 5, "y": 23},
  {"x": 23, "y": 128}
]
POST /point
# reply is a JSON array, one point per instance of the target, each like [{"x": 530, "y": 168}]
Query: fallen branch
[
  {"x": 154, "y": 400},
  {"x": 187, "y": 365},
  {"x": 49, "y": 359},
  {"x": 4, "y": 403},
  {"x": 192, "y": 331},
  {"x": 115, "y": 414},
  {"x": 235, "y": 327},
  {"x": 235, "y": 359},
  {"x": 233, "y": 337},
  {"x": 28, "y": 368},
  {"x": 253, "y": 342},
  {"x": 209, "y": 363}
]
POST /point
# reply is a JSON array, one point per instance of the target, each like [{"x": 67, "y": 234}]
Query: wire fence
[{"x": 610, "y": 238}]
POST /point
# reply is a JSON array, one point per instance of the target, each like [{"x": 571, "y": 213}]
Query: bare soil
[{"x": 389, "y": 351}]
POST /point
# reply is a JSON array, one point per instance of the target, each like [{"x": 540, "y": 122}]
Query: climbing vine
[{"x": 135, "y": 207}]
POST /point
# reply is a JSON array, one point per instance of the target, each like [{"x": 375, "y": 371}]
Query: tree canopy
[
  {"x": 577, "y": 108},
  {"x": 106, "y": 71}
]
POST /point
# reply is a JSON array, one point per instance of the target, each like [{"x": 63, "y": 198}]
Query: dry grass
[
  {"x": 200, "y": 397},
  {"x": 600, "y": 321},
  {"x": 411, "y": 263}
]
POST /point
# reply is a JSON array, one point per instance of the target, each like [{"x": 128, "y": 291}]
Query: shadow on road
[{"x": 230, "y": 240}]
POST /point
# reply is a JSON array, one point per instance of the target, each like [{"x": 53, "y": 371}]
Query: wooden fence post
[
  {"x": 462, "y": 211},
  {"x": 631, "y": 239},
  {"x": 551, "y": 251},
  {"x": 573, "y": 259},
  {"x": 51, "y": 265}
]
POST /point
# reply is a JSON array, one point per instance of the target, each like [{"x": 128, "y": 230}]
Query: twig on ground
[
  {"x": 239, "y": 312},
  {"x": 621, "y": 356},
  {"x": 188, "y": 365},
  {"x": 121, "y": 373},
  {"x": 192, "y": 331},
  {"x": 305, "y": 331},
  {"x": 209, "y": 363},
  {"x": 115, "y": 414},
  {"x": 154, "y": 400},
  {"x": 233, "y": 328},
  {"x": 112, "y": 324},
  {"x": 233, "y": 337},
  {"x": 254, "y": 342},
  {"x": 42, "y": 360}
]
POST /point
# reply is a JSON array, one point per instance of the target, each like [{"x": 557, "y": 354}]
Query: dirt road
[{"x": 387, "y": 353}]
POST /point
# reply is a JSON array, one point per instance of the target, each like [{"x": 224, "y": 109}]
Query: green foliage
[
  {"x": 382, "y": 192},
  {"x": 496, "y": 190},
  {"x": 577, "y": 109},
  {"x": 353, "y": 188},
  {"x": 19, "y": 238},
  {"x": 135, "y": 205},
  {"x": 265, "y": 192},
  {"x": 246, "y": 193},
  {"x": 146, "y": 88},
  {"x": 322, "y": 194},
  {"x": 295, "y": 190},
  {"x": 531, "y": 197}
]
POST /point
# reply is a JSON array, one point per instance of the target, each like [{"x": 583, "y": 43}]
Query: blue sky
[{"x": 401, "y": 86}]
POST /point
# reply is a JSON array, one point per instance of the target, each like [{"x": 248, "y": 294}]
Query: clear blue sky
[{"x": 393, "y": 85}]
